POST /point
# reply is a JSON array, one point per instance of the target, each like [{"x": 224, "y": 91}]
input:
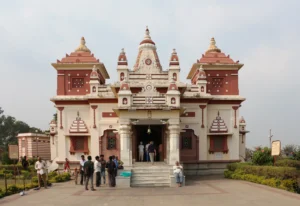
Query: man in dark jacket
[
  {"x": 111, "y": 170},
  {"x": 151, "y": 150},
  {"x": 89, "y": 173}
]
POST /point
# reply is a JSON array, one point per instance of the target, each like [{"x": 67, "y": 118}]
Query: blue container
[{"x": 125, "y": 174}]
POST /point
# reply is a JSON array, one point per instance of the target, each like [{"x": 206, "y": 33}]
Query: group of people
[
  {"x": 98, "y": 167},
  {"x": 150, "y": 152}
]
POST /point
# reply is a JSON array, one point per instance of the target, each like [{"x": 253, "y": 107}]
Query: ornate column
[
  {"x": 60, "y": 116},
  {"x": 174, "y": 143},
  {"x": 235, "y": 108},
  {"x": 94, "y": 107},
  {"x": 125, "y": 145},
  {"x": 202, "y": 107}
]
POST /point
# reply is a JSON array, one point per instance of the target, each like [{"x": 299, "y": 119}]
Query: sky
[{"x": 263, "y": 35}]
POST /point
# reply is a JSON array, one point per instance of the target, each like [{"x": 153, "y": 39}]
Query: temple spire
[
  {"x": 212, "y": 47},
  {"x": 147, "y": 37},
  {"x": 82, "y": 47}
]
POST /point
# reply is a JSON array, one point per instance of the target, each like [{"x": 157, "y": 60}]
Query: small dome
[
  {"x": 82, "y": 47},
  {"x": 53, "y": 122},
  {"x": 174, "y": 60},
  {"x": 147, "y": 38},
  {"x": 94, "y": 73},
  {"x": 201, "y": 74},
  {"x": 212, "y": 47},
  {"x": 122, "y": 60},
  {"x": 242, "y": 120}
]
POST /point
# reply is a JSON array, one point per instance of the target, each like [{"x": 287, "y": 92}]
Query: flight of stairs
[{"x": 147, "y": 175}]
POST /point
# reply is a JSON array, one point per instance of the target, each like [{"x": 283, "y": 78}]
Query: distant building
[
  {"x": 33, "y": 145},
  {"x": 195, "y": 122}
]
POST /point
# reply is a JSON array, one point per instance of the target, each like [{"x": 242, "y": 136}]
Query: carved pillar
[
  {"x": 235, "y": 108},
  {"x": 94, "y": 107},
  {"x": 125, "y": 145},
  {"x": 60, "y": 116},
  {"x": 174, "y": 143},
  {"x": 202, "y": 108}
]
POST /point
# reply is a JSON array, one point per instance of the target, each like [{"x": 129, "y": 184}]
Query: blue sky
[{"x": 264, "y": 35}]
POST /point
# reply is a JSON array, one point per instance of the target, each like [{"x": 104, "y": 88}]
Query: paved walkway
[{"x": 199, "y": 191}]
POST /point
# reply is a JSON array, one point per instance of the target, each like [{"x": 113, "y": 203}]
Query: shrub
[
  {"x": 262, "y": 156},
  {"x": 288, "y": 163},
  {"x": 52, "y": 174}
]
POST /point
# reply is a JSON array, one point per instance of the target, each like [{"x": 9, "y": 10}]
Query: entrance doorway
[{"x": 141, "y": 135}]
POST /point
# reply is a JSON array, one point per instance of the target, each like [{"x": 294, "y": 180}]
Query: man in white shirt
[
  {"x": 82, "y": 161},
  {"x": 97, "y": 167},
  {"x": 141, "y": 151},
  {"x": 147, "y": 153},
  {"x": 178, "y": 173},
  {"x": 40, "y": 167}
]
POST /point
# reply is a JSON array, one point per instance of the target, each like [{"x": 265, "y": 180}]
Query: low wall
[{"x": 206, "y": 167}]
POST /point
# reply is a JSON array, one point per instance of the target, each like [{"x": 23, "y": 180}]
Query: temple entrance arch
[{"x": 109, "y": 143}]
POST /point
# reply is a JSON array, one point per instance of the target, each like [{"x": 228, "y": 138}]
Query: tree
[{"x": 289, "y": 149}]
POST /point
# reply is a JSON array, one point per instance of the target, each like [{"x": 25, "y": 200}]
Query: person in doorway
[
  {"x": 82, "y": 176},
  {"x": 141, "y": 152},
  {"x": 178, "y": 173},
  {"x": 97, "y": 167},
  {"x": 147, "y": 153},
  {"x": 67, "y": 165},
  {"x": 151, "y": 151},
  {"x": 89, "y": 173},
  {"x": 111, "y": 167},
  {"x": 103, "y": 166},
  {"x": 40, "y": 167},
  {"x": 160, "y": 151}
]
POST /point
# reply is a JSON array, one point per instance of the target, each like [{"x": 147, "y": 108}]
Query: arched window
[
  {"x": 94, "y": 89},
  {"x": 173, "y": 100},
  {"x": 124, "y": 101},
  {"x": 175, "y": 76},
  {"x": 111, "y": 140},
  {"x": 121, "y": 76},
  {"x": 202, "y": 89}
]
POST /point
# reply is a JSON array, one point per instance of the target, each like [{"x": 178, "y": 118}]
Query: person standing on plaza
[
  {"x": 103, "y": 166},
  {"x": 178, "y": 173},
  {"x": 147, "y": 153},
  {"x": 82, "y": 176},
  {"x": 40, "y": 167},
  {"x": 25, "y": 163},
  {"x": 67, "y": 165},
  {"x": 111, "y": 166},
  {"x": 89, "y": 173},
  {"x": 117, "y": 165},
  {"x": 97, "y": 167},
  {"x": 151, "y": 151},
  {"x": 141, "y": 152}
]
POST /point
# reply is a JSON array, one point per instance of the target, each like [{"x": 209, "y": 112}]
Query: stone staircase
[{"x": 147, "y": 175}]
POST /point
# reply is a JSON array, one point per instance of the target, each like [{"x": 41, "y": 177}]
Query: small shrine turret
[
  {"x": 173, "y": 95},
  {"x": 122, "y": 66},
  {"x": 124, "y": 95},
  {"x": 201, "y": 82},
  {"x": 174, "y": 68},
  {"x": 94, "y": 82}
]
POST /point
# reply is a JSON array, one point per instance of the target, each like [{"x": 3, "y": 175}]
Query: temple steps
[{"x": 150, "y": 175}]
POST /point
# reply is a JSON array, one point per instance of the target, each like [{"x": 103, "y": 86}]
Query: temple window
[
  {"x": 111, "y": 140},
  {"x": 77, "y": 82},
  {"x": 124, "y": 101},
  {"x": 173, "y": 100},
  {"x": 79, "y": 144},
  {"x": 174, "y": 76},
  {"x": 122, "y": 76},
  {"x": 218, "y": 144},
  {"x": 187, "y": 141},
  {"x": 202, "y": 89},
  {"x": 94, "y": 89}
]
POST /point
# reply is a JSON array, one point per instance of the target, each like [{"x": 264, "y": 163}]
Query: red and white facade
[{"x": 193, "y": 122}]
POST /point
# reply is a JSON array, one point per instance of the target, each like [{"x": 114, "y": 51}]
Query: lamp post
[
  {"x": 270, "y": 138},
  {"x": 37, "y": 143}
]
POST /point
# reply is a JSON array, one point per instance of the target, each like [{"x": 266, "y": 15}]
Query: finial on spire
[
  {"x": 82, "y": 46},
  {"x": 174, "y": 51},
  {"x": 212, "y": 47},
  {"x": 122, "y": 51}
]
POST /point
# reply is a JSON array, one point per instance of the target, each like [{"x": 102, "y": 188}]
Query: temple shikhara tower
[{"x": 195, "y": 123}]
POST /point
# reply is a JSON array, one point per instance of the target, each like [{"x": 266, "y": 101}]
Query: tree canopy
[{"x": 10, "y": 127}]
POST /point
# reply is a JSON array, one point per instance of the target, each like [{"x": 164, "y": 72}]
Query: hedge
[
  {"x": 266, "y": 171},
  {"x": 279, "y": 177},
  {"x": 287, "y": 184},
  {"x": 288, "y": 163}
]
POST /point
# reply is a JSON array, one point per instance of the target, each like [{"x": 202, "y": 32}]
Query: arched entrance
[
  {"x": 188, "y": 146},
  {"x": 109, "y": 143}
]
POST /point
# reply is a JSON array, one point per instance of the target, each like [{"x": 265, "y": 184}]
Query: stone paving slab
[{"x": 199, "y": 191}]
